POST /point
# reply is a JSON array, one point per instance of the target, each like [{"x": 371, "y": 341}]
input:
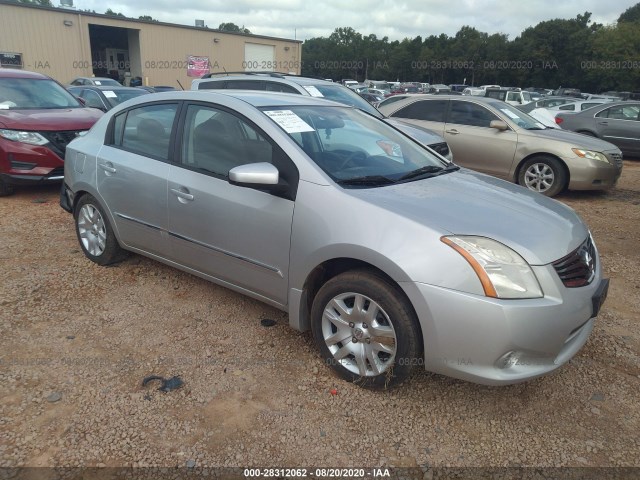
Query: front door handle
[
  {"x": 183, "y": 194},
  {"x": 603, "y": 123},
  {"x": 453, "y": 131}
]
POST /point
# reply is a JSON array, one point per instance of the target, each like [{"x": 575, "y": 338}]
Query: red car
[{"x": 38, "y": 118}]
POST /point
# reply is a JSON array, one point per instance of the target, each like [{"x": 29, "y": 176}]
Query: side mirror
[
  {"x": 498, "y": 125},
  {"x": 254, "y": 174},
  {"x": 81, "y": 100}
]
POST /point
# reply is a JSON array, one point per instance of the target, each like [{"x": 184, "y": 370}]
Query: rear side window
[
  {"x": 280, "y": 87},
  {"x": 429, "y": 110},
  {"x": 212, "y": 85},
  {"x": 245, "y": 84},
  {"x": 146, "y": 130},
  {"x": 567, "y": 107}
]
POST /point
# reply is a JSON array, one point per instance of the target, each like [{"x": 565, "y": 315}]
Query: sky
[{"x": 302, "y": 19}]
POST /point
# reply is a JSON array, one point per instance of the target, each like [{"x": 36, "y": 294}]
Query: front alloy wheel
[
  {"x": 359, "y": 334},
  {"x": 366, "y": 329},
  {"x": 544, "y": 175}
]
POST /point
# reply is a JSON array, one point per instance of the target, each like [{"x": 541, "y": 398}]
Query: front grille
[
  {"x": 441, "y": 148},
  {"x": 579, "y": 267},
  {"x": 617, "y": 159},
  {"x": 58, "y": 140}
]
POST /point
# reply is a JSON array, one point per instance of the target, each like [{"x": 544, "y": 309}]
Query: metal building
[{"x": 66, "y": 43}]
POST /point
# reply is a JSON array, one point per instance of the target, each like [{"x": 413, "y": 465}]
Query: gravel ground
[{"x": 77, "y": 340}]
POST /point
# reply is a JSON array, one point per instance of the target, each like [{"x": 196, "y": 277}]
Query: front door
[{"x": 239, "y": 235}]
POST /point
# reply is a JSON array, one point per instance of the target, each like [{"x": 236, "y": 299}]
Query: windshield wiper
[
  {"x": 429, "y": 171},
  {"x": 366, "y": 180}
]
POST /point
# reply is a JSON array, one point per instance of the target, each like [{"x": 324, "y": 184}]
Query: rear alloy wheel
[
  {"x": 543, "y": 175},
  {"x": 95, "y": 235},
  {"x": 365, "y": 329}
]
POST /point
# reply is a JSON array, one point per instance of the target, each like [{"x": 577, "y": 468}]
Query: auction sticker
[
  {"x": 289, "y": 121},
  {"x": 110, "y": 94}
]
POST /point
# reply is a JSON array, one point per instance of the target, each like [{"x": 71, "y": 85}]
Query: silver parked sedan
[
  {"x": 392, "y": 256},
  {"x": 618, "y": 123}
]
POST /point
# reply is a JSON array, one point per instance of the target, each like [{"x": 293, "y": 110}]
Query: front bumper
[
  {"x": 24, "y": 164},
  {"x": 588, "y": 174},
  {"x": 499, "y": 342}
]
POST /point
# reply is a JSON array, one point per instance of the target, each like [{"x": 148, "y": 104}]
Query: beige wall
[{"x": 63, "y": 52}]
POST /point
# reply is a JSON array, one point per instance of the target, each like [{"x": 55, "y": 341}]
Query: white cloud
[{"x": 396, "y": 20}]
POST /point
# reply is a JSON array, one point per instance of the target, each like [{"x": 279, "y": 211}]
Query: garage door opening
[
  {"x": 115, "y": 52},
  {"x": 259, "y": 58}
]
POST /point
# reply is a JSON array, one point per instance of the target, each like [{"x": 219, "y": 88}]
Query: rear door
[
  {"x": 619, "y": 125},
  {"x": 475, "y": 144},
  {"x": 132, "y": 170}
]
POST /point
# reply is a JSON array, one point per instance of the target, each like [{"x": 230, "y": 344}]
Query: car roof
[
  {"x": 302, "y": 81},
  {"x": 256, "y": 98},
  {"x": 15, "y": 73}
]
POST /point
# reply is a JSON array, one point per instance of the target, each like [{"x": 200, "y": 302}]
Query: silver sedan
[{"x": 392, "y": 256}]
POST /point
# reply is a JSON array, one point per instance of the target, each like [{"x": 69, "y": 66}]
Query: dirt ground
[{"x": 77, "y": 339}]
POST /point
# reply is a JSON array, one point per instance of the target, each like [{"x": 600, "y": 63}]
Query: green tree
[
  {"x": 232, "y": 27},
  {"x": 631, "y": 14},
  {"x": 147, "y": 17},
  {"x": 113, "y": 14}
]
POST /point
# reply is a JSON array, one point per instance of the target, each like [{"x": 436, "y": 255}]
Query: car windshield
[
  {"x": 118, "y": 96},
  {"x": 520, "y": 118},
  {"x": 355, "y": 149},
  {"x": 34, "y": 93},
  {"x": 340, "y": 94}
]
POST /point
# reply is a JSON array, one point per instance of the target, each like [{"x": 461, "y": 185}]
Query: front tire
[
  {"x": 96, "y": 237},
  {"x": 366, "y": 329},
  {"x": 5, "y": 189},
  {"x": 544, "y": 175}
]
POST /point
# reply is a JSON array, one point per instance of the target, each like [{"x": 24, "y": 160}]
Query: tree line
[{"x": 573, "y": 52}]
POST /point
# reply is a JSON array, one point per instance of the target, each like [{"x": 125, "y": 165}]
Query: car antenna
[{"x": 180, "y": 84}]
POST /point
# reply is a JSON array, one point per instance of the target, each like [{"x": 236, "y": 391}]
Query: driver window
[
  {"x": 467, "y": 113},
  {"x": 93, "y": 99}
]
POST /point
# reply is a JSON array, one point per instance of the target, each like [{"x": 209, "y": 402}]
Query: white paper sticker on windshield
[
  {"x": 97, "y": 82},
  {"x": 110, "y": 94},
  {"x": 289, "y": 121},
  {"x": 313, "y": 91},
  {"x": 512, "y": 115}
]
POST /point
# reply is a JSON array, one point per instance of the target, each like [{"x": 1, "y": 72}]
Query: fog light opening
[{"x": 508, "y": 360}]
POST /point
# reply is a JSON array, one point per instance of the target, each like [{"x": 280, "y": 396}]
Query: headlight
[
  {"x": 501, "y": 271},
  {"x": 32, "y": 138},
  {"x": 591, "y": 155}
]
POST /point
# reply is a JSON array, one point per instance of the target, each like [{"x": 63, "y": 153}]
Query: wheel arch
[{"x": 329, "y": 269}]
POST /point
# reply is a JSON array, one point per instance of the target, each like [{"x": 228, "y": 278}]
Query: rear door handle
[
  {"x": 108, "y": 167},
  {"x": 453, "y": 131},
  {"x": 182, "y": 194},
  {"x": 603, "y": 123}
]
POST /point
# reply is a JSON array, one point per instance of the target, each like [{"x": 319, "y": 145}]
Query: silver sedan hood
[{"x": 540, "y": 229}]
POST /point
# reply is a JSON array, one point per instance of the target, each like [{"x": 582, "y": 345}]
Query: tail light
[{"x": 559, "y": 120}]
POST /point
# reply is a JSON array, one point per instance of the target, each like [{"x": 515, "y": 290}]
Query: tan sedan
[{"x": 492, "y": 137}]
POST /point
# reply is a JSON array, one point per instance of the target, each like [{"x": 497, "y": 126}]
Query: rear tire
[
  {"x": 96, "y": 237},
  {"x": 587, "y": 133},
  {"x": 544, "y": 175},
  {"x": 366, "y": 329}
]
